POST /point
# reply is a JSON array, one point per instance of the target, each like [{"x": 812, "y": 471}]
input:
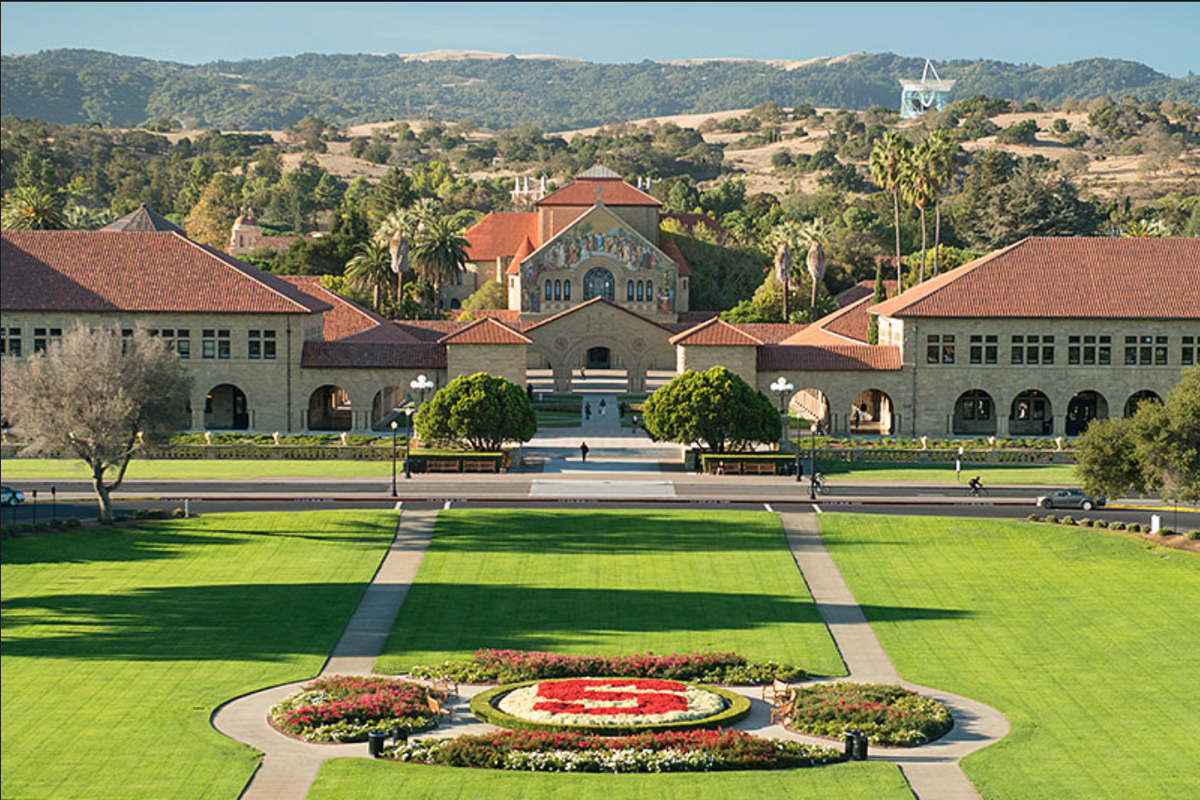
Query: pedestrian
[
  {"x": 587, "y": 410},
  {"x": 583, "y": 450}
]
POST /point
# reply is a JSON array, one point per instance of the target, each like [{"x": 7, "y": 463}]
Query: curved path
[{"x": 289, "y": 767}]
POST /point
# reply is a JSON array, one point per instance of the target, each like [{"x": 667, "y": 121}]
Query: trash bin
[
  {"x": 849, "y": 738},
  {"x": 860, "y": 747},
  {"x": 375, "y": 740}
]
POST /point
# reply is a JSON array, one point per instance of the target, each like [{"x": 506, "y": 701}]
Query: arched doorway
[
  {"x": 1137, "y": 398},
  {"x": 1083, "y": 408},
  {"x": 1031, "y": 414},
  {"x": 329, "y": 409},
  {"x": 599, "y": 358},
  {"x": 811, "y": 405},
  {"x": 974, "y": 414},
  {"x": 386, "y": 407},
  {"x": 871, "y": 413},
  {"x": 598, "y": 282},
  {"x": 225, "y": 408}
]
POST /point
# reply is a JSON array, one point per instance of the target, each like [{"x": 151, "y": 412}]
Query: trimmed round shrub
[
  {"x": 1101, "y": 523},
  {"x": 1116, "y": 525},
  {"x": 1193, "y": 536},
  {"x": 1134, "y": 527},
  {"x": 891, "y": 716},
  {"x": 1068, "y": 520},
  {"x": 1034, "y": 518},
  {"x": 1085, "y": 523},
  {"x": 485, "y": 706},
  {"x": 1166, "y": 532},
  {"x": 71, "y": 523},
  {"x": 1051, "y": 518},
  {"x": 346, "y": 708}
]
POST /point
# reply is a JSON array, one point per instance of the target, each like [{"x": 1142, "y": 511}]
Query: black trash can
[
  {"x": 375, "y": 740},
  {"x": 860, "y": 747},
  {"x": 849, "y": 738}
]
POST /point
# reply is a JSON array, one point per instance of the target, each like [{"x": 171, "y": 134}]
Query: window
[
  {"x": 1047, "y": 349},
  {"x": 223, "y": 344},
  {"x": 984, "y": 349},
  {"x": 1130, "y": 350},
  {"x": 1190, "y": 353},
  {"x": 650, "y": 291},
  {"x": 39, "y": 340},
  {"x": 641, "y": 291},
  {"x": 10, "y": 341},
  {"x": 1018, "y": 349},
  {"x": 183, "y": 343},
  {"x": 629, "y": 291},
  {"x": 558, "y": 290},
  {"x": 549, "y": 290},
  {"x": 1104, "y": 351},
  {"x": 939, "y": 349},
  {"x": 261, "y": 344},
  {"x": 566, "y": 290},
  {"x": 1160, "y": 351},
  {"x": 208, "y": 343}
]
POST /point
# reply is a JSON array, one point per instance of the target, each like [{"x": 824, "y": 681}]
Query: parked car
[
  {"x": 10, "y": 496},
  {"x": 1071, "y": 498}
]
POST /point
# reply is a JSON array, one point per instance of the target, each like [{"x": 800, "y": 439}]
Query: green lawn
[
  {"x": 558, "y": 419},
  {"x": 990, "y": 474},
  {"x": 609, "y": 582},
  {"x": 1086, "y": 639},
  {"x": 47, "y": 469},
  {"x": 366, "y": 780},
  {"x": 119, "y": 644}
]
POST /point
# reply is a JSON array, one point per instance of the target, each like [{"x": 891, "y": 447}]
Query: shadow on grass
[
  {"x": 236, "y": 622},
  {"x": 464, "y": 617},
  {"x": 607, "y": 533}
]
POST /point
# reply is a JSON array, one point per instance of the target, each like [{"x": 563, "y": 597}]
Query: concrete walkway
[
  {"x": 289, "y": 767},
  {"x": 931, "y": 770}
]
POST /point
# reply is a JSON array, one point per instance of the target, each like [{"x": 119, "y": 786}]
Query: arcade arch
[
  {"x": 974, "y": 414},
  {"x": 812, "y": 405},
  {"x": 1137, "y": 398},
  {"x": 1083, "y": 408},
  {"x": 329, "y": 409},
  {"x": 226, "y": 408},
  {"x": 1031, "y": 414},
  {"x": 871, "y": 413},
  {"x": 386, "y": 406}
]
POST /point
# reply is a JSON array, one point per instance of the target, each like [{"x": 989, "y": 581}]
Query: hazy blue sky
[{"x": 1162, "y": 35}]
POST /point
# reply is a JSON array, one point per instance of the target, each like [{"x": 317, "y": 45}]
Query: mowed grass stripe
[
  {"x": 609, "y": 582},
  {"x": 119, "y": 644},
  {"x": 366, "y": 780},
  {"x": 1086, "y": 639}
]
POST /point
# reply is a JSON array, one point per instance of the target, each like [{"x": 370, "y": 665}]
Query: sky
[{"x": 1162, "y": 35}]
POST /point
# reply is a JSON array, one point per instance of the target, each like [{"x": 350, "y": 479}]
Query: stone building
[{"x": 1032, "y": 340}]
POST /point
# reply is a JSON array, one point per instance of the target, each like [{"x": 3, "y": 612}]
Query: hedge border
[{"x": 482, "y": 708}]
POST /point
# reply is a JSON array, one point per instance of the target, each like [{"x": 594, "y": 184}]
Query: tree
[
  {"x": 715, "y": 409},
  {"x": 440, "y": 252},
  {"x": 943, "y": 153},
  {"x": 1157, "y": 448},
  {"x": 917, "y": 187},
  {"x": 211, "y": 218},
  {"x": 31, "y": 208},
  {"x": 814, "y": 235},
  {"x": 101, "y": 396},
  {"x": 371, "y": 268},
  {"x": 887, "y": 167},
  {"x": 492, "y": 294},
  {"x": 878, "y": 296},
  {"x": 480, "y": 410}
]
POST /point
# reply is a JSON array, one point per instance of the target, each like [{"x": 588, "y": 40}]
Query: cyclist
[
  {"x": 819, "y": 481},
  {"x": 976, "y": 486}
]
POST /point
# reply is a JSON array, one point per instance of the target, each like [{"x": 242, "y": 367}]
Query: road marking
[
  {"x": 817, "y": 508},
  {"x": 399, "y": 505},
  {"x": 767, "y": 506},
  {"x": 446, "y": 507},
  {"x": 566, "y": 489}
]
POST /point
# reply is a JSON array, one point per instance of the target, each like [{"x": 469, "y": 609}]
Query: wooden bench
[
  {"x": 438, "y": 709},
  {"x": 479, "y": 466},
  {"x": 777, "y": 690},
  {"x": 758, "y": 468},
  {"x": 443, "y": 465}
]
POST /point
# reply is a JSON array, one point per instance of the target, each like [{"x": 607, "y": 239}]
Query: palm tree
[
  {"x": 916, "y": 184},
  {"x": 887, "y": 166},
  {"x": 440, "y": 252},
  {"x": 396, "y": 232},
  {"x": 785, "y": 237},
  {"x": 814, "y": 235},
  {"x": 944, "y": 152},
  {"x": 30, "y": 208},
  {"x": 371, "y": 268}
]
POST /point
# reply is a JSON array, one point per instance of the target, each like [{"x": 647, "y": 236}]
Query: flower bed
[
  {"x": 610, "y": 706},
  {"x": 509, "y": 666},
  {"x": 887, "y": 715},
  {"x": 346, "y": 709},
  {"x": 676, "y": 751}
]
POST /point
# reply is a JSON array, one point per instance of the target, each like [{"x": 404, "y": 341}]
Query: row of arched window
[
  {"x": 641, "y": 290},
  {"x": 558, "y": 290}
]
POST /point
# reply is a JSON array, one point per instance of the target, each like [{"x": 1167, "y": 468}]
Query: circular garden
[
  {"x": 889, "y": 716},
  {"x": 347, "y": 708}
]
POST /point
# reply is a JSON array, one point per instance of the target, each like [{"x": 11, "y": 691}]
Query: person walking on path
[
  {"x": 583, "y": 451},
  {"x": 587, "y": 410}
]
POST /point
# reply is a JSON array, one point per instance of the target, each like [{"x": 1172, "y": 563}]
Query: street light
[
  {"x": 395, "y": 425},
  {"x": 784, "y": 389},
  {"x": 408, "y": 412},
  {"x": 421, "y": 384}
]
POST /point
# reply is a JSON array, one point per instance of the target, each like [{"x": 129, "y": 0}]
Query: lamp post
[
  {"x": 784, "y": 389},
  {"x": 408, "y": 412},
  {"x": 395, "y": 425},
  {"x": 812, "y": 463},
  {"x": 421, "y": 384}
]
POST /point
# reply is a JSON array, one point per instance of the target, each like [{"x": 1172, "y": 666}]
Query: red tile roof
[
  {"x": 346, "y": 318},
  {"x": 486, "y": 331},
  {"x": 523, "y": 252},
  {"x": 860, "y": 290},
  {"x": 142, "y": 271},
  {"x": 696, "y": 317},
  {"x": 591, "y": 302},
  {"x": 372, "y": 355},
  {"x": 612, "y": 191},
  {"x": 831, "y": 358},
  {"x": 669, "y": 247},
  {"x": 715, "y": 333},
  {"x": 769, "y": 332},
  {"x": 499, "y": 234},
  {"x": 142, "y": 219},
  {"x": 1065, "y": 277}
]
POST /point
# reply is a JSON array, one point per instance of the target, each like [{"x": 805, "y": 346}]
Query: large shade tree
[
  {"x": 100, "y": 397},
  {"x": 480, "y": 411},
  {"x": 715, "y": 410}
]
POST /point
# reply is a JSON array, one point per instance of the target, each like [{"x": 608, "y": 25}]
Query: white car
[{"x": 10, "y": 496}]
